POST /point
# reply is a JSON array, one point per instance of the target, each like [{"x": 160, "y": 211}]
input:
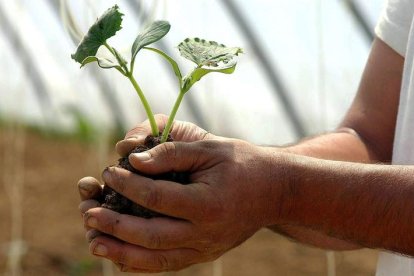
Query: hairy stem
[
  {"x": 118, "y": 58},
  {"x": 172, "y": 116},
  {"x": 131, "y": 68},
  {"x": 129, "y": 75},
  {"x": 150, "y": 115},
  {"x": 110, "y": 49}
]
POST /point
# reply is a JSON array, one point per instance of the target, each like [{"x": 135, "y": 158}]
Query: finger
[
  {"x": 124, "y": 147},
  {"x": 139, "y": 258},
  {"x": 124, "y": 268},
  {"x": 85, "y": 205},
  {"x": 189, "y": 132},
  {"x": 180, "y": 131},
  {"x": 190, "y": 202},
  {"x": 92, "y": 234},
  {"x": 137, "y": 135},
  {"x": 145, "y": 128},
  {"x": 178, "y": 157},
  {"x": 154, "y": 233},
  {"x": 89, "y": 188}
]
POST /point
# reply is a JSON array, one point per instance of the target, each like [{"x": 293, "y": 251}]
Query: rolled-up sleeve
[{"x": 394, "y": 24}]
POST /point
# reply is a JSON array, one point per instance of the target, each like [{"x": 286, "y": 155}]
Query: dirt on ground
[{"x": 43, "y": 176}]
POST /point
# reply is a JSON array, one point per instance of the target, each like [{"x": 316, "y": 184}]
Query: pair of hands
[{"x": 225, "y": 204}]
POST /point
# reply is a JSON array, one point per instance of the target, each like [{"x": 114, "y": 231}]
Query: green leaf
[
  {"x": 200, "y": 72},
  {"x": 105, "y": 27},
  {"x": 207, "y": 53},
  {"x": 103, "y": 63},
  {"x": 209, "y": 56},
  {"x": 171, "y": 61},
  {"x": 151, "y": 34}
]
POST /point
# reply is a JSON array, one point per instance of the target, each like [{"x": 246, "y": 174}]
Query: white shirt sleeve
[{"x": 394, "y": 24}]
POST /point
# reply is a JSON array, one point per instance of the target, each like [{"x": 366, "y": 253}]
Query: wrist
[{"x": 280, "y": 179}]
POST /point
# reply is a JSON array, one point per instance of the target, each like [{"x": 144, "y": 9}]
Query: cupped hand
[
  {"x": 180, "y": 131},
  {"x": 229, "y": 199},
  {"x": 90, "y": 189}
]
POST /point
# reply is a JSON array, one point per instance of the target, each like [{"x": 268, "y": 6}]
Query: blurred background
[{"x": 302, "y": 64}]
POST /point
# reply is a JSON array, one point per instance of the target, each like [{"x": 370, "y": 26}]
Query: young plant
[{"x": 209, "y": 56}]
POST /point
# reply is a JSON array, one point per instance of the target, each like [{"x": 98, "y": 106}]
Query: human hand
[
  {"x": 230, "y": 198},
  {"x": 90, "y": 189},
  {"x": 180, "y": 131}
]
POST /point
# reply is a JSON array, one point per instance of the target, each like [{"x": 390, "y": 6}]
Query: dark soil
[{"x": 117, "y": 202}]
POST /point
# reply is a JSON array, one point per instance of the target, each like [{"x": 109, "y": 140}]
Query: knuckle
[
  {"x": 211, "y": 144},
  {"x": 139, "y": 129},
  {"x": 161, "y": 261},
  {"x": 121, "y": 256},
  {"x": 167, "y": 150},
  {"x": 152, "y": 198},
  {"x": 161, "y": 117},
  {"x": 208, "y": 147},
  {"x": 154, "y": 240}
]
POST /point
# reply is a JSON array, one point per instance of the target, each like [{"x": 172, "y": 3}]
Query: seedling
[{"x": 209, "y": 56}]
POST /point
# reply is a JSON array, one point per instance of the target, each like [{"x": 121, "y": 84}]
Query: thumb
[
  {"x": 89, "y": 188},
  {"x": 137, "y": 135},
  {"x": 171, "y": 156}
]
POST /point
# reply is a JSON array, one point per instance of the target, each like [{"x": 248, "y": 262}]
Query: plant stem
[
  {"x": 131, "y": 68},
  {"x": 109, "y": 48},
  {"x": 170, "y": 121},
  {"x": 150, "y": 115},
  {"x": 121, "y": 62},
  {"x": 154, "y": 128}
]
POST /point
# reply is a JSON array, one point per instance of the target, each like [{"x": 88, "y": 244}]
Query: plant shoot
[{"x": 208, "y": 56}]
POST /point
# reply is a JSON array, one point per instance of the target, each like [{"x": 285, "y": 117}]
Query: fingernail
[
  {"x": 136, "y": 138},
  {"x": 86, "y": 189},
  {"x": 84, "y": 206},
  {"x": 84, "y": 193},
  {"x": 142, "y": 156},
  {"x": 106, "y": 174},
  {"x": 91, "y": 234},
  {"x": 100, "y": 250},
  {"x": 92, "y": 222}
]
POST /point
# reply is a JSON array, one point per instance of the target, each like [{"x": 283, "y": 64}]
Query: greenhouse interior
[{"x": 298, "y": 72}]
